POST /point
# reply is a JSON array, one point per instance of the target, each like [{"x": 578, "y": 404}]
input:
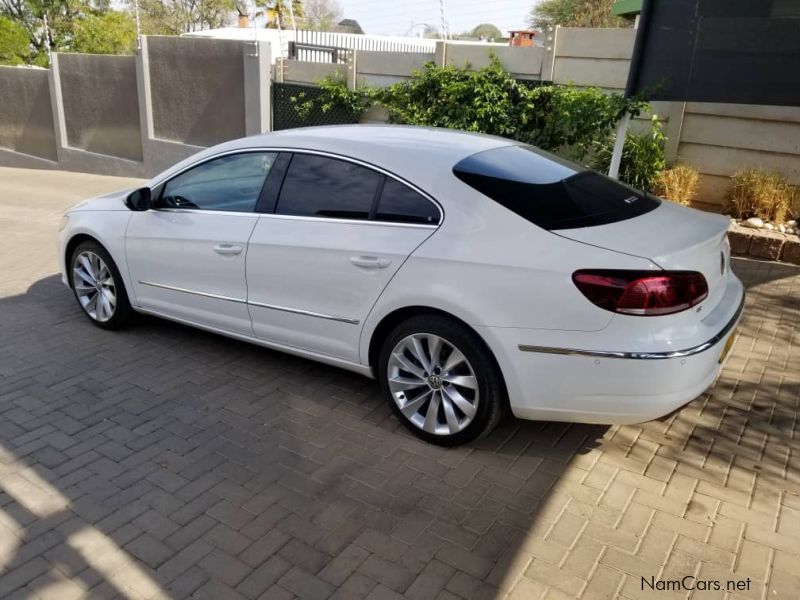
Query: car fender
[{"x": 108, "y": 228}]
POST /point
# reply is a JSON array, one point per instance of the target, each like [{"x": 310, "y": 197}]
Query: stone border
[{"x": 764, "y": 244}]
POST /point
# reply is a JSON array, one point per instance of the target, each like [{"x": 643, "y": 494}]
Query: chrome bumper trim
[{"x": 643, "y": 355}]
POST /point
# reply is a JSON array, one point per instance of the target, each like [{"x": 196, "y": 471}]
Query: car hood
[{"x": 110, "y": 201}]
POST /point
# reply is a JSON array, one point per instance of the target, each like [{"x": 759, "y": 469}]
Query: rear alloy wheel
[
  {"x": 98, "y": 286},
  {"x": 441, "y": 381}
]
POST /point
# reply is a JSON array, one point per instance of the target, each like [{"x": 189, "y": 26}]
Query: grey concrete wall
[
  {"x": 523, "y": 63},
  {"x": 720, "y": 139},
  {"x": 303, "y": 72},
  {"x": 197, "y": 89},
  {"x": 593, "y": 57},
  {"x": 26, "y": 114},
  {"x": 386, "y": 68},
  {"x": 101, "y": 104}
]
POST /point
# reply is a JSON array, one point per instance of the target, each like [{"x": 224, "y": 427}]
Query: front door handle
[
  {"x": 370, "y": 262},
  {"x": 228, "y": 249}
]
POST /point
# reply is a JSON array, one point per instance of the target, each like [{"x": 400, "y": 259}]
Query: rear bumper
[{"x": 608, "y": 386}]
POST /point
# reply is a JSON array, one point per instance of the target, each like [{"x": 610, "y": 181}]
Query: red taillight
[{"x": 643, "y": 293}]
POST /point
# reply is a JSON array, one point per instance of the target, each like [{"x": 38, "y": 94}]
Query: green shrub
[
  {"x": 15, "y": 48},
  {"x": 563, "y": 119},
  {"x": 642, "y": 157},
  {"x": 570, "y": 121},
  {"x": 335, "y": 95}
]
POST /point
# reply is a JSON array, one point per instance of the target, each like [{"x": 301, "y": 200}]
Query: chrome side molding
[{"x": 296, "y": 311}]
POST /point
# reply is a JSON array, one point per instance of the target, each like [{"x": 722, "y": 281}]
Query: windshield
[{"x": 550, "y": 192}]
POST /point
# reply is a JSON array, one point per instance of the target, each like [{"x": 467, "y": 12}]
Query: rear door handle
[
  {"x": 370, "y": 262},
  {"x": 228, "y": 249}
]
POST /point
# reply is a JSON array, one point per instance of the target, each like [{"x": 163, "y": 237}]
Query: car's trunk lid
[{"x": 673, "y": 237}]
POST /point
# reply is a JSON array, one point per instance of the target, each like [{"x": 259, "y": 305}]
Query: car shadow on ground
[{"x": 165, "y": 460}]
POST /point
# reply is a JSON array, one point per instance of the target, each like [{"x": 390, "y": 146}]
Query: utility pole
[
  {"x": 445, "y": 27},
  {"x": 47, "y": 38},
  {"x": 138, "y": 24}
]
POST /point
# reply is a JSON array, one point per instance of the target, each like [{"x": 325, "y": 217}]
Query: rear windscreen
[{"x": 550, "y": 192}]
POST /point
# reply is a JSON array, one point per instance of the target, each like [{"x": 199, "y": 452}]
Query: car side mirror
[{"x": 140, "y": 199}]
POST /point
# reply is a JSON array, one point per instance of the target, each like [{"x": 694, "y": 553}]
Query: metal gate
[{"x": 286, "y": 98}]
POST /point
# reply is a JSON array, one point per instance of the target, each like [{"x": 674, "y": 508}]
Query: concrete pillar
[
  {"x": 257, "y": 87},
  {"x": 441, "y": 53},
  {"x": 352, "y": 70},
  {"x": 550, "y": 53},
  {"x": 57, "y": 101},
  {"x": 145, "y": 105}
]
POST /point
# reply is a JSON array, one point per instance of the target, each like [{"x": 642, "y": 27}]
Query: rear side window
[
  {"x": 318, "y": 186},
  {"x": 550, "y": 192},
  {"x": 400, "y": 204}
]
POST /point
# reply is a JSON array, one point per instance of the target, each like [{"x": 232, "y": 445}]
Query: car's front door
[
  {"x": 316, "y": 266},
  {"x": 187, "y": 256}
]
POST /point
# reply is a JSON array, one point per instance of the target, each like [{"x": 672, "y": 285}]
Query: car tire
[
  {"x": 441, "y": 380},
  {"x": 98, "y": 286}
]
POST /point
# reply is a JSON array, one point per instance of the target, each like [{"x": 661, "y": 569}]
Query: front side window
[
  {"x": 318, "y": 186},
  {"x": 550, "y": 192},
  {"x": 229, "y": 183},
  {"x": 400, "y": 204}
]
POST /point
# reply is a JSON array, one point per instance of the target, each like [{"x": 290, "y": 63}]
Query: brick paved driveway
[{"x": 166, "y": 462}]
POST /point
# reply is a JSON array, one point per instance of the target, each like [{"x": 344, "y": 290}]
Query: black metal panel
[{"x": 733, "y": 51}]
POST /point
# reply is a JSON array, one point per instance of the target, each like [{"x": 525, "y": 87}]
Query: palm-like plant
[{"x": 280, "y": 14}]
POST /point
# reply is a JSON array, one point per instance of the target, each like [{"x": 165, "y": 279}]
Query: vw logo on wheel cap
[{"x": 435, "y": 381}]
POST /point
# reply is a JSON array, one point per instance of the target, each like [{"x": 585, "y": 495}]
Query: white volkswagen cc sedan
[{"x": 469, "y": 274}]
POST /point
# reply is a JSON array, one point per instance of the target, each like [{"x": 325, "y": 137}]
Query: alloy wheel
[
  {"x": 433, "y": 384},
  {"x": 94, "y": 286}
]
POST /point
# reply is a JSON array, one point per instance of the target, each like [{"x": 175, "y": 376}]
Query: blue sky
[{"x": 398, "y": 16}]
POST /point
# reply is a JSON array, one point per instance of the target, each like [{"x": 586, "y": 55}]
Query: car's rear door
[
  {"x": 187, "y": 255},
  {"x": 318, "y": 261}
]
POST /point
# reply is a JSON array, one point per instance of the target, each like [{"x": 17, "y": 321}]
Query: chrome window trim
[
  {"x": 318, "y": 153},
  {"x": 347, "y": 221},
  {"x": 296, "y": 311},
  {"x": 207, "y": 211},
  {"x": 642, "y": 355}
]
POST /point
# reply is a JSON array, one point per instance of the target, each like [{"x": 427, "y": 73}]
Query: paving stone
[{"x": 183, "y": 464}]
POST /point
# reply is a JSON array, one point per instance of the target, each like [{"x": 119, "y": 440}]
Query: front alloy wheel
[
  {"x": 94, "y": 286},
  {"x": 98, "y": 286}
]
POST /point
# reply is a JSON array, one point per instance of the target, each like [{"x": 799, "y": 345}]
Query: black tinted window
[
  {"x": 317, "y": 186},
  {"x": 550, "y": 192},
  {"x": 230, "y": 183},
  {"x": 400, "y": 204}
]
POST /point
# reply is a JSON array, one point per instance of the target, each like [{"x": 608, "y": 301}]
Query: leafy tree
[
  {"x": 112, "y": 32},
  {"x": 60, "y": 16},
  {"x": 321, "y": 14},
  {"x": 486, "y": 31},
  {"x": 174, "y": 17},
  {"x": 15, "y": 48},
  {"x": 574, "y": 13},
  {"x": 431, "y": 32}
]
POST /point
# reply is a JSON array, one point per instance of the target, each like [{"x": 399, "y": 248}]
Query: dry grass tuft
[
  {"x": 758, "y": 193},
  {"x": 678, "y": 184}
]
